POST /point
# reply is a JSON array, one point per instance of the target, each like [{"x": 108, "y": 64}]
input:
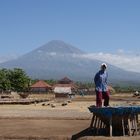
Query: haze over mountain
[{"x": 57, "y": 59}]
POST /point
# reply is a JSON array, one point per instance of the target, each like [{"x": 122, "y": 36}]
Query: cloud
[
  {"x": 125, "y": 61},
  {"x": 128, "y": 61},
  {"x": 120, "y": 51}
]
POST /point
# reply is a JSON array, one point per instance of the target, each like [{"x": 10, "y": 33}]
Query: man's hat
[{"x": 104, "y": 64}]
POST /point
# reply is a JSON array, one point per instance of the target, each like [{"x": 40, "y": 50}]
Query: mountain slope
[{"x": 57, "y": 59}]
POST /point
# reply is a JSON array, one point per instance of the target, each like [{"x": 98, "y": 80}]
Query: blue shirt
[{"x": 100, "y": 80}]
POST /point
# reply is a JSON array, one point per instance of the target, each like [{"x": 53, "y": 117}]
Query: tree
[
  {"x": 19, "y": 80},
  {"x": 4, "y": 80}
]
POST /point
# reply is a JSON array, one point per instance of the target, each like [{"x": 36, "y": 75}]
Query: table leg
[
  {"x": 92, "y": 121},
  {"x": 110, "y": 126},
  {"x": 129, "y": 126},
  {"x": 135, "y": 123},
  {"x": 123, "y": 126}
]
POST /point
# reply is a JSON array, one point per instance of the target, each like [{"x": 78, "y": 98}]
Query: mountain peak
[{"x": 58, "y": 46}]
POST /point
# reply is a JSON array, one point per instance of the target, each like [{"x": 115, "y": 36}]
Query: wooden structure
[
  {"x": 40, "y": 86},
  {"x": 64, "y": 88},
  {"x": 115, "y": 120}
]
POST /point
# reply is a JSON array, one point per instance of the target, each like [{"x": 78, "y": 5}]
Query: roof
[
  {"x": 65, "y": 80},
  {"x": 40, "y": 84}
]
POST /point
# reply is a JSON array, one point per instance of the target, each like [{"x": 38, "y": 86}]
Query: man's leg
[
  {"x": 98, "y": 98},
  {"x": 106, "y": 98}
]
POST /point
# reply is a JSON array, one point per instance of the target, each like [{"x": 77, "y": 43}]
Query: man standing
[{"x": 101, "y": 87}]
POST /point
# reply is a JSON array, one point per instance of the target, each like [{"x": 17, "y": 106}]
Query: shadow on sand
[{"x": 90, "y": 131}]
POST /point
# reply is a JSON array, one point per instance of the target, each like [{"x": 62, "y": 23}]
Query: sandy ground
[
  {"x": 27, "y": 129},
  {"x": 37, "y": 122}
]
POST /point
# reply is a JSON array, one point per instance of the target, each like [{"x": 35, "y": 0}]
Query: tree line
[{"x": 16, "y": 79}]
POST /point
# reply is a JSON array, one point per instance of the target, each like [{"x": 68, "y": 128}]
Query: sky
[{"x": 105, "y": 29}]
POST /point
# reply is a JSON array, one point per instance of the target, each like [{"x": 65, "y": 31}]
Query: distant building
[
  {"x": 64, "y": 88},
  {"x": 40, "y": 86}
]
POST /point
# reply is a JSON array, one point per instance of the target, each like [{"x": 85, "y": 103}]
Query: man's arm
[{"x": 96, "y": 78}]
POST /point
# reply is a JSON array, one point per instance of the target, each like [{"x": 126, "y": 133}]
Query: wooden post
[
  {"x": 104, "y": 126},
  {"x": 135, "y": 124},
  {"x": 95, "y": 123},
  {"x": 129, "y": 126},
  {"x": 137, "y": 118},
  {"x": 123, "y": 126},
  {"x": 101, "y": 124},
  {"x": 110, "y": 126},
  {"x": 92, "y": 121},
  {"x": 98, "y": 125}
]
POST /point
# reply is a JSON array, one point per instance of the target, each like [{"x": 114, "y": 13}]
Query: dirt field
[{"x": 42, "y": 122}]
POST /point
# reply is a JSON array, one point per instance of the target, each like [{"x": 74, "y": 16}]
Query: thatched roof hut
[
  {"x": 40, "y": 86},
  {"x": 64, "y": 87}
]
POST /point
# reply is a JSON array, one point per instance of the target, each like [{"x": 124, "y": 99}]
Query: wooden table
[{"x": 115, "y": 120}]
